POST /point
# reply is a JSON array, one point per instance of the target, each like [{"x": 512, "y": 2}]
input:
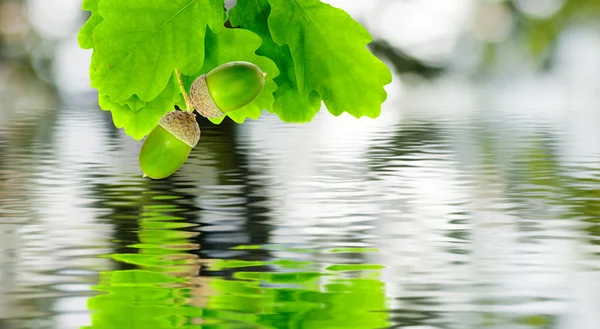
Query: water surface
[{"x": 420, "y": 219}]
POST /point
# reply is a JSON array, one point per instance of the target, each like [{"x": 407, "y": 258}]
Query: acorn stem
[{"x": 188, "y": 106}]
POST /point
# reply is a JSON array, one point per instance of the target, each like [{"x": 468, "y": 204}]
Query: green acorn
[
  {"x": 168, "y": 145},
  {"x": 228, "y": 87}
]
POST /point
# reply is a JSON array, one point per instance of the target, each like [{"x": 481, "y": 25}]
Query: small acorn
[
  {"x": 226, "y": 88},
  {"x": 168, "y": 145}
]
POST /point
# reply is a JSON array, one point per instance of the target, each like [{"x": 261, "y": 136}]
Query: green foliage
[
  {"x": 290, "y": 105},
  {"x": 139, "y": 117},
  {"x": 86, "y": 40},
  {"x": 311, "y": 52},
  {"x": 329, "y": 51},
  {"x": 141, "y": 42},
  {"x": 147, "y": 299}
]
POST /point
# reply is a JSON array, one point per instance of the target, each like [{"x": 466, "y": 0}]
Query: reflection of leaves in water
[
  {"x": 140, "y": 299},
  {"x": 155, "y": 289},
  {"x": 149, "y": 299},
  {"x": 126, "y": 203},
  {"x": 161, "y": 287},
  {"x": 146, "y": 299},
  {"x": 339, "y": 303}
]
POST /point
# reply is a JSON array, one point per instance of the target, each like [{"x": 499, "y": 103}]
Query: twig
[{"x": 188, "y": 104}]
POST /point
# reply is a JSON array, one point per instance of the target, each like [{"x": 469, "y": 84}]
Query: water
[{"x": 421, "y": 219}]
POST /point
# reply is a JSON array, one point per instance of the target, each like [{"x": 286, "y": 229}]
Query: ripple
[{"x": 416, "y": 223}]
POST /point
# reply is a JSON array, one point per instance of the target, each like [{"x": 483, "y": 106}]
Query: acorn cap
[
  {"x": 202, "y": 100},
  {"x": 182, "y": 125}
]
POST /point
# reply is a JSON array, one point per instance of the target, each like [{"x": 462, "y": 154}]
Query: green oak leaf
[
  {"x": 138, "y": 44},
  {"x": 85, "y": 36},
  {"x": 141, "y": 42},
  {"x": 289, "y": 105},
  {"x": 231, "y": 45},
  {"x": 138, "y": 117},
  {"x": 330, "y": 56}
]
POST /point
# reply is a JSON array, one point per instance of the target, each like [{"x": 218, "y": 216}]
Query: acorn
[
  {"x": 226, "y": 88},
  {"x": 169, "y": 144}
]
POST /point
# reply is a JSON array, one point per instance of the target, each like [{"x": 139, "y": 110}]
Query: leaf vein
[
  {"x": 329, "y": 52},
  {"x": 159, "y": 28}
]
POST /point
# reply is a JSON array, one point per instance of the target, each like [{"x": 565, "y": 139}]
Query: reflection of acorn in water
[
  {"x": 200, "y": 286},
  {"x": 201, "y": 292},
  {"x": 227, "y": 88},
  {"x": 188, "y": 266},
  {"x": 168, "y": 146}
]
